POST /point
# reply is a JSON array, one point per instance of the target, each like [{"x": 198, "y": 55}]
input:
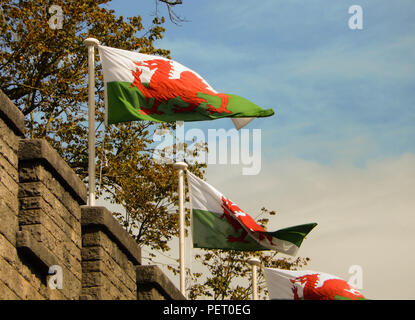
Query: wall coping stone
[
  {"x": 41, "y": 150},
  {"x": 101, "y": 217},
  {"x": 35, "y": 251},
  {"x": 11, "y": 115},
  {"x": 152, "y": 274}
]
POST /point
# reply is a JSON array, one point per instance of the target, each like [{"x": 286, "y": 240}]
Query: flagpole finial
[
  {"x": 180, "y": 165},
  {"x": 91, "y": 42},
  {"x": 254, "y": 262}
]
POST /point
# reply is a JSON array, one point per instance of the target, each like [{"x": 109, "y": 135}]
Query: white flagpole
[
  {"x": 181, "y": 167},
  {"x": 254, "y": 262},
  {"x": 91, "y": 43}
]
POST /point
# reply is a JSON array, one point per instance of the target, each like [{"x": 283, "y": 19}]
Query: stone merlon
[
  {"x": 151, "y": 277},
  {"x": 102, "y": 218},
  {"x": 11, "y": 115},
  {"x": 40, "y": 150}
]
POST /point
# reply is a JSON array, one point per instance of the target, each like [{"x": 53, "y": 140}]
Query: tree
[
  {"x": 43, "y": 71},
  {"x": 174, "y": 17}
]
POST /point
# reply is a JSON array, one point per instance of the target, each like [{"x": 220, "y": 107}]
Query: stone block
[
  {"x": 6, "y": 151},
  {"x": 17, "y": 283},
  {"x": 31, "y": 151},
  {"x": 8, "y": 222},
  {"x": 6, "y": 293},
  {"x": 153, "y": 284}
]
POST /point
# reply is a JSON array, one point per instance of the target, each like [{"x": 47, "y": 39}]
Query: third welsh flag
[
  {"x": 147, "y": 87},
  {"x": 218, "y": 223},
  {"x": 308, "y": 285}
]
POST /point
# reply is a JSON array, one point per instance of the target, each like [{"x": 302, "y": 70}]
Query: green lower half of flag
[
  {"x": 210, "y": 231},
  {"x": 126, "y": 103},
  {"x": 346, "y": 298},
  {"x": 214, "y": 231},
  {"x": 295, "y": 234}
]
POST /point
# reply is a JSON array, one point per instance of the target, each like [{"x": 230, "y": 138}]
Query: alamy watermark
[
  {"x": 231, "y": 146},
  {"x": 55, "y": 279},
  {"x": 356, "y": 278},
  {"x": 356, "y": 20},
  {"x": 56, "y": 20}
]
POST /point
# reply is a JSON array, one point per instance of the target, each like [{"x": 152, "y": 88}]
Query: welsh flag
[
  {"x": 147, "y": 87},
  {"x": 218, "y": 223},
  {"x": 308, "y": 285}
]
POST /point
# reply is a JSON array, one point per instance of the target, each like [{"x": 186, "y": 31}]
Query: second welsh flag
[
  {"x": 218, "y": 223},
  {"x": 147, "y": 87}
]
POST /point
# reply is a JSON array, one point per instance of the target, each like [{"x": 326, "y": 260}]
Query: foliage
[{"x": 44, "y": 72}]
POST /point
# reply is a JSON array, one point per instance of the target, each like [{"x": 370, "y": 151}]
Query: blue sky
[
  {"x": 343, "y": 133},
  {"x": 327, "y": 84}
]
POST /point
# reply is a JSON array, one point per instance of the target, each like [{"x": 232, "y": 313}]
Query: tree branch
[{"x": 172, "y": 3}]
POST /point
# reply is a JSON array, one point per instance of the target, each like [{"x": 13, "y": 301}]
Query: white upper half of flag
[
  {"x": 118, "y": 64},
  {"x": 203, "y": 195},
  {"x": 319, "y": 285},
  {"x": 280, "y": 286}
]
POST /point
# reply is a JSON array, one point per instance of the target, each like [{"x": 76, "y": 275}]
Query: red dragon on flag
[
  {"x": 241, "y": 220},
  {"x": 317, "y": 286},
  {"x": 308, "y": 285},
  {"x": 163, "y": 87}
]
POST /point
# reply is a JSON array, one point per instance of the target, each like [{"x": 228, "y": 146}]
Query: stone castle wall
[{"x": 45, "y": 225}]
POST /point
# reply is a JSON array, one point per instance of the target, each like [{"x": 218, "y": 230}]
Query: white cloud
[{"x": 365, "y": 216}]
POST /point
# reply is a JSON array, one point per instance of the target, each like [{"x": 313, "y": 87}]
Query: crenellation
[
  {"x": 106, "y": 264},
  {"x": 44, "y": 223}
]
